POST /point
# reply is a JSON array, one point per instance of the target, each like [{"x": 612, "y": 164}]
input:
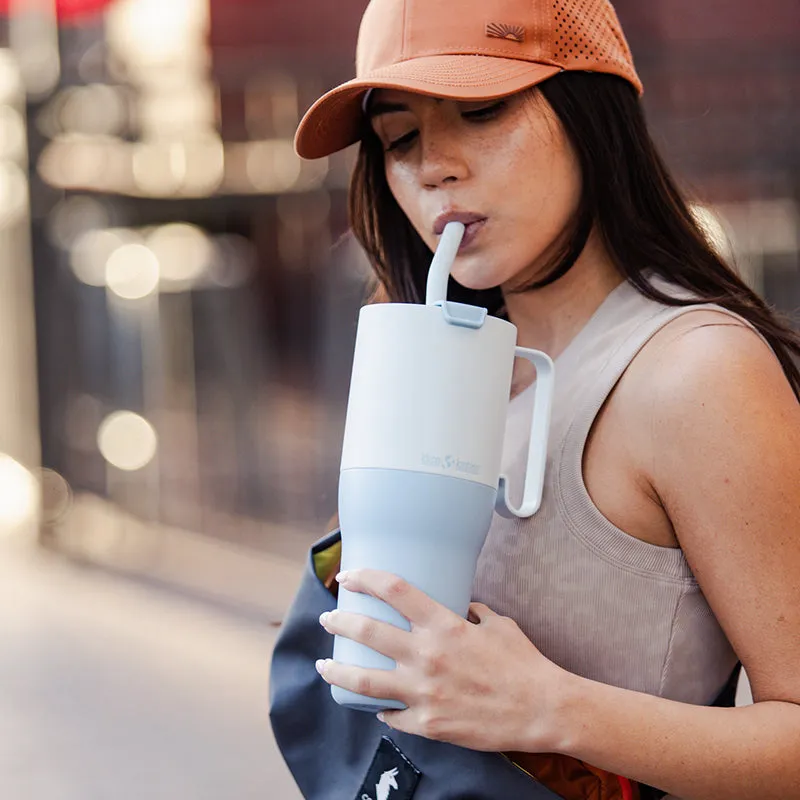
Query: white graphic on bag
[
  {"x": 391, "y": 775},
  {"x": 384, "y": 785}
]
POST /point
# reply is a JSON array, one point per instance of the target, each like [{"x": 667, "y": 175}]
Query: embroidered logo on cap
[
  {"x": 391, "y": 776},
  {"x": 499, "y": 30}
]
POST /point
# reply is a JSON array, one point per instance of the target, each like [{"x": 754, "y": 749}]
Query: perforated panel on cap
[{"x": 587, "y": 35}]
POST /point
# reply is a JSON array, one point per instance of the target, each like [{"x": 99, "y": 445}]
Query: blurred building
[
  {"x": 722, "y": 92},
  {"x": 193, "y": 349}
]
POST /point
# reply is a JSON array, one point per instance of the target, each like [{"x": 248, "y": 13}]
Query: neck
[{"x": 549, "y": 318}]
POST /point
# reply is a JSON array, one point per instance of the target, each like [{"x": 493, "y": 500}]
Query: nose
[{"x": 443, "y": 160}]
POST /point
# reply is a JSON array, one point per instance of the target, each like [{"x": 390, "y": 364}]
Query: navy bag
[{"x": 335, "y": 753}]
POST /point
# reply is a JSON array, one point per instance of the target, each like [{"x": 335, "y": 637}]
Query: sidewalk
[
  {"x": 256, "y": 583},
  {"x": 116, "y": 690}
]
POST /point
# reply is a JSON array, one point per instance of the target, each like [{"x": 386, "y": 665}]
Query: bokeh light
[
  {"x": 184, "y": 252},
  {"x": 273, "y": 166},
  {"x": 75, "y": 216},
  {"x": 56, "y": 497},
  {"x": 13, "y": 193},
  {"x": 132, "y": 271},
  {"x": 13, "y": 143},
  {"x": 11, "y": 90},
  {"x": 33, "y": 36},
  {"x": 153, "y": 32},
  {"x": 96, "y": 109},
  {"x": 91, "y": 251},
  {"x": 19, "y": 493},
  {"x": 127, "y": 440}
]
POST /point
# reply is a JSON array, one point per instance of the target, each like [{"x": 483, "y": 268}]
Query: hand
[{"x": 479, "y": 684}]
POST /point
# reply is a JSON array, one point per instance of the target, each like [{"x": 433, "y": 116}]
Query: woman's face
[{"x": 504, "y": 167}]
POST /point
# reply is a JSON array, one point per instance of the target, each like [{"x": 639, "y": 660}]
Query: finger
[
  {"x": 379, "y": 683},
  {"x": 409, "y": 601},
  {"x": 402, "y": 721},
  {"x": 478, "y": 612},
  {"x": 387, "y": 639},
  {"x": 416, "y": 722}
]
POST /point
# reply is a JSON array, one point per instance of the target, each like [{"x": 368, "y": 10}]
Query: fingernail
[
  {"x": 342, "y": 576},
  {"x": 323, "y": 618},
  {"x": 320, "y": 665},
  {"x": 379, "y": 715}
]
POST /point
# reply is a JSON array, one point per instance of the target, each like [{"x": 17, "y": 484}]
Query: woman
[{"x": 667, "y": 548}]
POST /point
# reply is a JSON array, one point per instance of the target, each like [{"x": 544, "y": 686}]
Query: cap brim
[{"x": 335, "y": 120}]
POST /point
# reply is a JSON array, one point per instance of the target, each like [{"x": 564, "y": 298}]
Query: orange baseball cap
[{"x": 465, "y": 50}]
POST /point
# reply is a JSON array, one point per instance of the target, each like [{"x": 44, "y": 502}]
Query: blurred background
[{"x": 178, "y": 304}]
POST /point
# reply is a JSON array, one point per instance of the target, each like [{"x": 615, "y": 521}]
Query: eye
[
  {"x": 484, "y": 112},
  {"x": 402, "y": 143}
]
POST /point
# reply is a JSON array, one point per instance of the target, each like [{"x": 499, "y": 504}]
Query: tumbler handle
[{"x": 537, "y": 449}]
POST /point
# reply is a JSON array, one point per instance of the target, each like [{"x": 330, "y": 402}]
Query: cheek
[
  {"x": 536, "y": 186},
  {"x": 404, "y": 186},
  {"x": 548, "y": 181}
]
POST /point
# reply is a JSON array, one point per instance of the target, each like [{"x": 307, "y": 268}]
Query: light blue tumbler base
[{"x": 428, "y": 529}]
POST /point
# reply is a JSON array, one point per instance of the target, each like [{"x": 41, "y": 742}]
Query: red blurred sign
[
  {"x": 68, "y": 10},
  {"x": 321, "y": 26}
]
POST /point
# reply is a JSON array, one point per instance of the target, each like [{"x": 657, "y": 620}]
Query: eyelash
[
  {"x": 479, "y": 115},
  {"x": 402, "y": 142}
]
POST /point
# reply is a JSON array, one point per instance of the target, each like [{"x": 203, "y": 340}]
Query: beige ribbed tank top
[{"x": 595, "y": 600}]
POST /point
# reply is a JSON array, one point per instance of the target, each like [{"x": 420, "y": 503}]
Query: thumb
[{"x": 479, "y": 613}]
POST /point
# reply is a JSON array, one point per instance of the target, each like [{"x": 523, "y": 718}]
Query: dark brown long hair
[{"x": 627, "y": 195}]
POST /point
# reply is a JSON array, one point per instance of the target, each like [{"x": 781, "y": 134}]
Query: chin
[
  {"x": 478, "y": 286},
  {"x": 476, "y": 281}
]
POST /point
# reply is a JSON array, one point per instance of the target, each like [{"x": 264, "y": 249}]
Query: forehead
[{"x": 385, "y": 104}]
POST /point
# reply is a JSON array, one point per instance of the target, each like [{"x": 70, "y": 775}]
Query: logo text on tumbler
[{"x": 451, "y": 463}]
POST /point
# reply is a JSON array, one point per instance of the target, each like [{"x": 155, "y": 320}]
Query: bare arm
[{"x": 725, "y": 464}]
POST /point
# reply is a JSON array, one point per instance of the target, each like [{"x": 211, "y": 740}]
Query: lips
[
  {"x": 471, "y": 232},
  {"x": 468, "y": 218}
]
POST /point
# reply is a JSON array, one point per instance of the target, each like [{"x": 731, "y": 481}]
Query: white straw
[{"x": 442, "y": 262}]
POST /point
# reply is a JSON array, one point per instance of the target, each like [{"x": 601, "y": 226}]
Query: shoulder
[
  {"x": 717, "y": 399},
  {"x": 707, "y": 386},
  {"x": 704, "y": 378},
  {"x": 709, "y": 368}
]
